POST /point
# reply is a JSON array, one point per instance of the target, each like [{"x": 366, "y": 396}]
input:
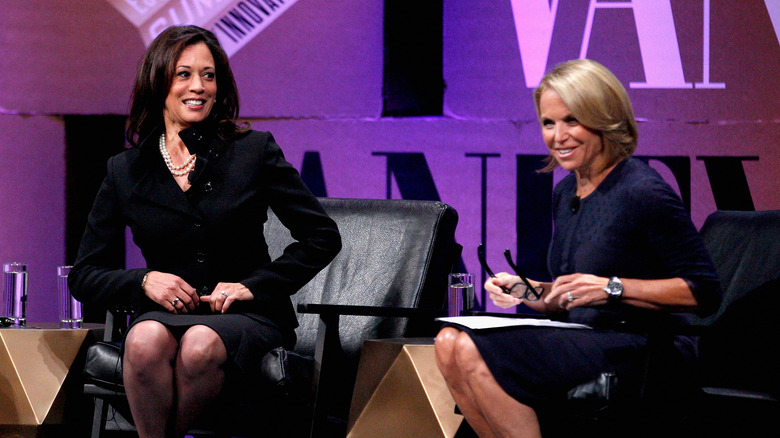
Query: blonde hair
[{"x": 598, "y": 100}]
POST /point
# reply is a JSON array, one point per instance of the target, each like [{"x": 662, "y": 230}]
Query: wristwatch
[{"x": 614, "y": 289}]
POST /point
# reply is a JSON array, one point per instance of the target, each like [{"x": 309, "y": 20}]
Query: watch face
[{"x": 614, "y": 288}]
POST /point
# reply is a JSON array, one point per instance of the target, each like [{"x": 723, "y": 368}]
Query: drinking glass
[
  {"x": 461, "y": 294},
  {"x": 15, "y": 292},
  {"x": 70, "y": 309}
]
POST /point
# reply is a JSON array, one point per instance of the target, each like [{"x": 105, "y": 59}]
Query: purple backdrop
[{"x": 703, "y": 84}]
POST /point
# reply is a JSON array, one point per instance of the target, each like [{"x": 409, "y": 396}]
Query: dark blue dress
[{"x": 632, "y": 226}]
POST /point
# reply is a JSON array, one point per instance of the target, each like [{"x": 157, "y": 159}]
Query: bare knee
[
  {"x": 444, "y": 348},
  {"x": 456, "y": 354},
  {"x": 201, "y": 351},
  {"x": 445, "y": 341},
  {"x": 149, "y": 344},
  {"x": 467, "y": 356}
]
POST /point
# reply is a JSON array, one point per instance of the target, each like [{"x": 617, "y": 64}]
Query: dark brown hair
[{"x": 155, "y": 76}]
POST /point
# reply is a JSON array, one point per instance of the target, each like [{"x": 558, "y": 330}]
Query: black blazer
[{"x": 212, "y": 232}]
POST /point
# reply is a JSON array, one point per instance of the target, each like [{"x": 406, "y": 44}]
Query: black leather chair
[
  {"x": 389, "y": 280},
  {"x": 739, "y": 380}
]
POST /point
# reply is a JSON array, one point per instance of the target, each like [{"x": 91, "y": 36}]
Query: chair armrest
[
  {"x": 740, "y": 394},
  {"x": 343, "y": 309}
]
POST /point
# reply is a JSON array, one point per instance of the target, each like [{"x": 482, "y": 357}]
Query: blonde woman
[{"x": 623, "y": 249}]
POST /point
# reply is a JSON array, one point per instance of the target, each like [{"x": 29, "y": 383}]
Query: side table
[
  {"x": 40, "y": 378},
  {"x": 399, "y": 392}
]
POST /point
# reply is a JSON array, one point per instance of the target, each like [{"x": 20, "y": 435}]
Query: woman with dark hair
[
  {"x": 623, "y": 250},
  {"x": 194, "y": 190}
]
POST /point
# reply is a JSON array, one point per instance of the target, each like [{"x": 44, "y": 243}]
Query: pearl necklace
[{"x": 175, "y": 170}]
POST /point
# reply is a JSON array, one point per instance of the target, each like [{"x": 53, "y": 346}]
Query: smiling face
[
  {"x": 193, "y": 88},
  {"x": 574, "y": 147}
]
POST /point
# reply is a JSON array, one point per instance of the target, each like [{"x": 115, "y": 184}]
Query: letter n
[{"x": 412, "y": 175}]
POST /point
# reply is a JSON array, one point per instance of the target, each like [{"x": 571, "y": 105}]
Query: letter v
[
  {"x": 534, "y": 21},
  {"x": 773, "y": 7}
]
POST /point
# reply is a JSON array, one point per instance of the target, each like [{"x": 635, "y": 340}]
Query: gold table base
[
  {"x": 40, "y": 367},
  {"x": 399, "y": 392}
]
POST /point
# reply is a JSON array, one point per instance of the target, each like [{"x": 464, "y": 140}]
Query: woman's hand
[
  {"x": 170, "y": 291},
  {"x": 517, "y": 288},
  {"x": 493, "y": 286},
  {"x": 577, "y": 290},
  {"x": 225, "y": 294}
]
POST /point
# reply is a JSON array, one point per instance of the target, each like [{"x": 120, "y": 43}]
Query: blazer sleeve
[
  {"x": 316, "y": 235},
  {"x": 98, "y": 275}
]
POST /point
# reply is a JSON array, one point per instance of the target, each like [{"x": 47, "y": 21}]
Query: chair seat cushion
[
  {"x": 281, "y": 369},
  {"x": 288, "y": 373},
  {"x": 103, "y": 366}
]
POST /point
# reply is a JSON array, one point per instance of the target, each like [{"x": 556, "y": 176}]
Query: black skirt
[
  {"x": 537, "y": 365},
  {"x": 246, "y": 339}
]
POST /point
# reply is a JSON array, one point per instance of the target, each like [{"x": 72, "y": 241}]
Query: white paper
[{"x": 486, "y": 322}]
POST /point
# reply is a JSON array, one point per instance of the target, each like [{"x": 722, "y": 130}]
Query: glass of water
[
  {"x": 15, "y": 292},
  {"x": 70, "y": 309},
  {"x": 460, "y": 299}
]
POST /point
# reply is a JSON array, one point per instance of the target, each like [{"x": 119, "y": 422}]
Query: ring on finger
[
  {"x": 175, "y": 302},
  {"x": 571, "y": 297},
  {"x": 224, "y": 293}
]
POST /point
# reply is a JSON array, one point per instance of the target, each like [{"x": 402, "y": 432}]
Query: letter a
[
  {"x": 534, "y": 21},
  {"x": 657, "y": 41}
]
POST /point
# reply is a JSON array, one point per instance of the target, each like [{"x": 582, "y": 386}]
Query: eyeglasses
[{"x": 531, "y": 293}]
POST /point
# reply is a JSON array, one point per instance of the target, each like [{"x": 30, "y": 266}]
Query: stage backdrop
[{"x": 702, "y": 75}]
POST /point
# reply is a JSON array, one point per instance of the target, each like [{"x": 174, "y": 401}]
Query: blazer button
[
  {"x": 207, "y": 186},
  {"x": 201, "y": 257}
]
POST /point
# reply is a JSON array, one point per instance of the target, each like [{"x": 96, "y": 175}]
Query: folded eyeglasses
[{"x": 531, "y": 293}]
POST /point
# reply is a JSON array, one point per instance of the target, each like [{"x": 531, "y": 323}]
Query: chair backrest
[
  {"x": 395, "y": 253},
  {"x": 745, "y": 248},
  {"x": 741, "y": 350}
]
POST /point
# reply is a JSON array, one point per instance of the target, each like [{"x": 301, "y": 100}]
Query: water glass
[
  {"x": 461, "y": 294},
  {"x": 70, "y": 309},
  {"x": 15, "y": 292}
]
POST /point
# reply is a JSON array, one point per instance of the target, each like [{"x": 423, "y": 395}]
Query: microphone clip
[{"x": 574, "y": 204}]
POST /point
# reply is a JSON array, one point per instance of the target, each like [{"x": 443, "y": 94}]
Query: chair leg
[
  {"x": 99, "y": 417},
  {"x": 328, "y": 345}
]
